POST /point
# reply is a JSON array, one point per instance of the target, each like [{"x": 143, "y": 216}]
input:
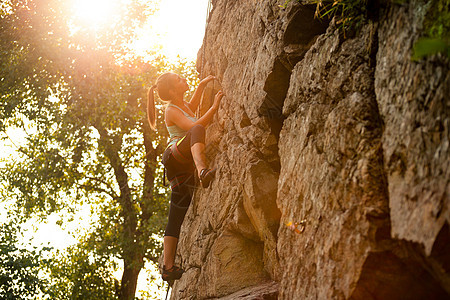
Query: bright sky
[
  {"x": 177, "y": 29},
  {"x": 178, "y": 26}
]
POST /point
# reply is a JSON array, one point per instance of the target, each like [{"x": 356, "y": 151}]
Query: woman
[{"x": 184, "y": 154}]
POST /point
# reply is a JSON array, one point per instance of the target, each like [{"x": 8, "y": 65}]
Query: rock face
[{"x": 332, "y": 159}]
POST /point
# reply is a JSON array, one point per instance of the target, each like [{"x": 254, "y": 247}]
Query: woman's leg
[
  {"x": 193, "y": 146},
  {"x": 199, "y": 156},
  {"x": 170, "y": 247},
  {"x": 170, "y": 242},
  {"x": 183, "y": 185}
]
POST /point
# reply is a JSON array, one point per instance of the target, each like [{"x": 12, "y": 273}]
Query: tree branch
[
  {"x": 98, "y": 189},
  {"x": 110, "y": 188}
]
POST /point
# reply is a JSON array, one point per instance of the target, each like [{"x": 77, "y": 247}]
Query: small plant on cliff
[
  {"x": 350, "y": 14},
  {"x": 436, "y": 37}
]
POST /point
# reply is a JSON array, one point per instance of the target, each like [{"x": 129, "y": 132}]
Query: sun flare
[
  {"x": 174, "y": 32},
  {"x": 95, "y": 13},
  {"x": 175, "y": 29}
]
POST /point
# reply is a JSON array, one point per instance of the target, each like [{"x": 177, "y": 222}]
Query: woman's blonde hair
[{"x": 163, "y": 85}]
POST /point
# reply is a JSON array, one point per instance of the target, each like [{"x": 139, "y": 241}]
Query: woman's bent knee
[
  {"x": 198, "y": 129},
  {"x": 198, "y": 133}
]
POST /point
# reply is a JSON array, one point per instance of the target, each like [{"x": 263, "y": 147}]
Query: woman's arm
[
  {"x": 195, "y": 100},
  {"x": 178, "y": 118}
]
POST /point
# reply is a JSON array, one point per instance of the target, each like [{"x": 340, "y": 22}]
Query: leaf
[{"x": 428, "y": 46}]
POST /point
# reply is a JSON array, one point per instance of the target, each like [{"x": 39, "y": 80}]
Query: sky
[
  {"x": 177, "y": 29},
  {"x": 179, "y": 26}
]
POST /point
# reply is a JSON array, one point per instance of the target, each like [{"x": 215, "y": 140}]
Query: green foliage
[
  {"x": 436, "y": 37},
  {"x": 78, "y": 273},
  {"x": 437, "y": 20},
  {"x": 99, "y": 150},
  {"x": 91, "y": 143},
  {"x": 38, "y": 48},
  {"x": 19, "y": 267},
  {"x": 29, "y": 58},
  {"x": 427, "y": 46},
  {"x": 349, "y": 14}
]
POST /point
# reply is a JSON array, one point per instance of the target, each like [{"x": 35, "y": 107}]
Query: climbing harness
[
  {"x": 177, "y": 153},
  {"x": 176, "y": 181}
]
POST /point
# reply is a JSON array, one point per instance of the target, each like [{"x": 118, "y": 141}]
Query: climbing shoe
[
  {"x": 173, "y": 273},
  {"x": 206, "y": 176}
]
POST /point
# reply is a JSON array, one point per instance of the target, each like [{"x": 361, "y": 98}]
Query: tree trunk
[
  {"x": 131, "y": 250},
  {"x": 129, "y": 279},
  {"x": 134, "y": 224}
]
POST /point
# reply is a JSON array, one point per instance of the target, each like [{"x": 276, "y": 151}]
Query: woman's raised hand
[
  {"x": 217, "y": 99},
  {"x": 207, "y": 79}
]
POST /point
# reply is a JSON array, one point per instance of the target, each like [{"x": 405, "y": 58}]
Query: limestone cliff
[{"x": 346, "y": 140}]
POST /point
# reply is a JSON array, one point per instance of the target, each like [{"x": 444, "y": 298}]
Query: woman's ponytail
[{"x": 151, "y": 110}]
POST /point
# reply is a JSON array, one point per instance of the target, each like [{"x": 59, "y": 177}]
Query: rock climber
[{"x": 184, "y": 154}]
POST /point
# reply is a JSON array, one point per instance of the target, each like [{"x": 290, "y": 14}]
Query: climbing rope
[
  {"x": 169, "y": 285},
  {"x": 167, "y": 293},
  {"x": 208, "y": 11}
]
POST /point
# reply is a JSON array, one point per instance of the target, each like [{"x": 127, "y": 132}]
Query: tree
[
  {"x": 91, "y": 143},
  {"x": 77, "y": 273},
  {"x": 99, "y": 148},
  {"x": 19, "y": 267}
]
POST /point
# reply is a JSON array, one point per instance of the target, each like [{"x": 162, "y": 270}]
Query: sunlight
[
  {"x": 95, "y": 13},
  {"x": 176, "y": 29}
]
